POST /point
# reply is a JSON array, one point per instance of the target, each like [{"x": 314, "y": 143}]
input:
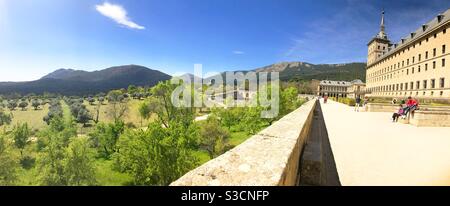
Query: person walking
[{"x": 357, "y": 103}]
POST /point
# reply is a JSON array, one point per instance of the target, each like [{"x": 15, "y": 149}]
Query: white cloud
[
  {"x": 118, "y": 14},
  {"x": 238, "y": 52}
]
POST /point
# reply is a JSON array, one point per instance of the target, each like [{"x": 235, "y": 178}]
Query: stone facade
[
  {"x": 339, "y": 88},
  {"x": 417, "y": 66}
]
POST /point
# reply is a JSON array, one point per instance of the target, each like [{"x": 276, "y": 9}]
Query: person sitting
[
  {"x": 397, "y": 114},
  {"x": 411, "y": 105}
]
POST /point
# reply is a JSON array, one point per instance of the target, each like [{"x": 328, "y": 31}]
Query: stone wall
[
  {"x": 378, "y": 107},
  {"x": 430, "y": 118},
  {"x": 269, "y": 158}
]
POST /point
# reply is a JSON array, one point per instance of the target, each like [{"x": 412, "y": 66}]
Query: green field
[{"x": 34, "y": 118}]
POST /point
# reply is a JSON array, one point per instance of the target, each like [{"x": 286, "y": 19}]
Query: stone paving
[{"x": 371, "y": 150}]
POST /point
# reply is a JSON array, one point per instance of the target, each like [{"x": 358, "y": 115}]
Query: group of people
[{"x": 403, "y": 111}]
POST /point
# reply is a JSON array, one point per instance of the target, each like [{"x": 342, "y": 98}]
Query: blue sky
[{"x": 40, "y": 36}]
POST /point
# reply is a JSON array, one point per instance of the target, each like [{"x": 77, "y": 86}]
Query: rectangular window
[
  {"x": 411, "y": 85},
  {"x": 418, "y": 85},
  {"x": 413, "y": 60},
  {"x": 425, "y": 84},
  {"x": 434, "y": 64},
  {"x": 412, "y": 70},
  {"x": 418, "y": 69},
  {"x": 420, "y": 57},
  {"x": 426, "y": 67},
  {"x": 443, "y": 49},
  {"x": 433, "y": 83},
  {"x": 443, "y": 62},
  {"x": 444, "y": 31},
  {"x": 442, "y": 82},
  {"x": 407, "y": 62},
  {"x": 407, "y": 71},
  {"x": 434, "y": 52}
]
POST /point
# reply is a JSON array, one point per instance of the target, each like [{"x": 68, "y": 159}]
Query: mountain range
[{"x": 79, "y": 82}]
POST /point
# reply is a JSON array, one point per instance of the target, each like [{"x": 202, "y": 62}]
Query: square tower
[{"x": 379, "y": 45}]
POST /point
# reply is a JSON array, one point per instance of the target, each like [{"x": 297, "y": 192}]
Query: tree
[
  {"x": 118, "y": 107},
  {"x": 144, "y": 111},
  {"x": 101, "y": 99},
  {"x": 35, "y": 103},
  {"x": 213, "y": 137},
  {"x": 23, "y": 105},
  {"x": 55, "y": 110},
  {"x": 8, "y": 163},
  {"x": 251, "y": 121},
  {"x": 78, "y": 163},
  {"x": 289, "y": 100},
  {"x": 105, "y": 137},
  {"x": 132, "y": 89},
  {"x": 12, "y": 104},
  {"x": 21, "y": 134},
  {"x": 91, "y": 100},
  {"x": 5, "y": 119},
  {"x": 167, "y": 113},
  {"x": 84, "y": 116},
  {"x": 65, "y": 158},
  {"x": 158, "y": 155}
]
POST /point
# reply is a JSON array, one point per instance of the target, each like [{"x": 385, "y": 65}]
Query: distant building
[
  {"x": 416, "y": 66},
  {"x": 339, "y": 88},
  {"x": 240, "y": 96}
]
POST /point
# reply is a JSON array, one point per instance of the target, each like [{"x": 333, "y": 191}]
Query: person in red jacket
[{"x": 411, "y": 105}]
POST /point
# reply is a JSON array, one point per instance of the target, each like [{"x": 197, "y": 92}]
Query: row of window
[
  {"x": 441, "y": 93},
  {"x": 343, "y": 89},
  {"x": 413, "y": 60},
  {"x": 410, "y": 86},
  {"x": 435, "y": 35},
  {"x": 408, "y": 71}
]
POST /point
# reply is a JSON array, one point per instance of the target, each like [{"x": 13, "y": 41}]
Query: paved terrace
[{"x": 371, "y": 150}]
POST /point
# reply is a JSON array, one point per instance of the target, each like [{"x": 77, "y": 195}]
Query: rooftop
[{"x": 439, "y": 20}]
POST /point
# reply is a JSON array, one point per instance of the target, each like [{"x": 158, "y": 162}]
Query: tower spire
[{"x": 382, "y": 33}]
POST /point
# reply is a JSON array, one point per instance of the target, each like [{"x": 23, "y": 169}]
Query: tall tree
[
  {"x": 105, "y": 137},
  {"x": 158, "y": 155},
  {"x": 144, "y": 111},
  {"x": 8, "y": 163},
  {"x": 21, "y": 134},
  {"x": 118, "y": 106},
  {"x": 214, "y": 137},
  {"x": 78, "y": 163}
]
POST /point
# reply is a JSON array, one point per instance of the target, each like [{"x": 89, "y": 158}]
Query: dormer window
[
  {"x": 413, "y": 34},
  {"x": 440, "y": 17},
  {"x": 403, "y": 41},
  {"x": 424, "y": 27}
]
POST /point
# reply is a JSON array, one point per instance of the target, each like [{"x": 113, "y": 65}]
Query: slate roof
[{"x": 419, "y": 33}]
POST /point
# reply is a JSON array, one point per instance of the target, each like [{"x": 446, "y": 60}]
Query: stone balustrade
[{"x": 269, "y": 158}]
